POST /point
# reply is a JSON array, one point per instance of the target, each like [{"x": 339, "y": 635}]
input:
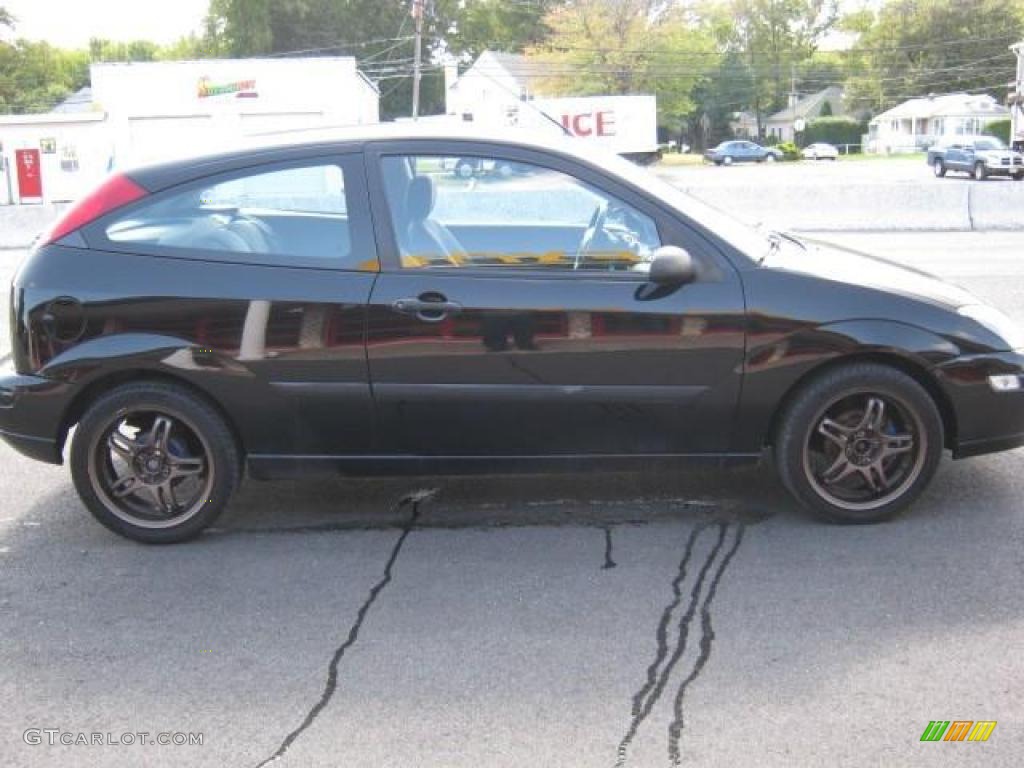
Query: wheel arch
[
  {"x": 105, "y": 383},
  {"x": 912, "y": 368}
]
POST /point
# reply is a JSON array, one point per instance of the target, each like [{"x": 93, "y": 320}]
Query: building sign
[
  {"x": 596, "y": 123},
  {"x": 241, "y": 88},
  {"x": 30, "y": 180}
]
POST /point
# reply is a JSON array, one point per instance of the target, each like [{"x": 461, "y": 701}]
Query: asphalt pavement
[{"x": 574, "y": 620}]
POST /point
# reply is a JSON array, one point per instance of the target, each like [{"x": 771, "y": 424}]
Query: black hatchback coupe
[{"x": 350, "y": 304}]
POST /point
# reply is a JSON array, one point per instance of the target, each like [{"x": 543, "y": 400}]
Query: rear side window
[{"x": 297, "y": 216}]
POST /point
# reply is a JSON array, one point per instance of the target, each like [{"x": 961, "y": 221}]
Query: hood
[
  {"x": 845, "y": 265},
  {"x": 997, "y": 154}
]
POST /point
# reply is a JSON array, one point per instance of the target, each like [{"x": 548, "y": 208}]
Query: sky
[{"x": 70, "y": 23}]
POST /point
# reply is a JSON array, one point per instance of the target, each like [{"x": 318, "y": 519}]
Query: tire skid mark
[
  {"x": 675, "y": 729},
  {"x": 650, "y": 692},
  {"x": 414, "y": 500},
  {"x": 608, "y": 562}
]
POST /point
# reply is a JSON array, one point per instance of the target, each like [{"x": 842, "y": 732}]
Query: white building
[
  {"x": 493, "y": 89},
  {"x": 916, "y": 124},
  {"x": 151, "y": 111},
  {"x": 806, "y": 108}
]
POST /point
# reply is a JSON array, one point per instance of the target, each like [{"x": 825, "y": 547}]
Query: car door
[
  {"x": 491, "y": 331},
  {"x": 257, "y": 280},
  {"x": 955, "y": 156}
]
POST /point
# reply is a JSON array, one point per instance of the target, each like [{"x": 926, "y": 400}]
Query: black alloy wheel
[
  {"x": 154, "y": 463},
  {"x": 860, "y": 443}
]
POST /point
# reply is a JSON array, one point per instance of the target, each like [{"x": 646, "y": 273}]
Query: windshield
[{"x": 989, "y": 143}]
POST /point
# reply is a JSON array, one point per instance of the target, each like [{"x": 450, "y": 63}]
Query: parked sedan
[
  {"x": 820, "y": 151},
  {"x": 729, "y": 152},
  {"x": 351, "y": 306}
]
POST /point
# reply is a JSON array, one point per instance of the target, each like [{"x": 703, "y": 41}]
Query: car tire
[
  {"x": 1018, "y": 176},
  {"x": 770, "y": 158},
  {"x": 505, "y": 170},
  {"x": 980, "y": 172},
  {"x": 726, "y": 160},
  {"x": 464, "y": 169},
  {"x": 154, "y": 462},
  {"x": 836, "y": 450},
  {"x": 939, "y": 167}
]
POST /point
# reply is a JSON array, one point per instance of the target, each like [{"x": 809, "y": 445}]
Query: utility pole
[{"x": 417, "y": 14}]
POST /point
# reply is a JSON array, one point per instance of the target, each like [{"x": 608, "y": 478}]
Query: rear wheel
[
  {"x": 939, "y": 168},
  {"x": 727, "y": 160},
  {"x": 859, "y": 443},
  {"x": 1018, "y": 176},
  {"x": 154, "y": 463},
  {"x": 770, "y": 158},
  {"x": 980, "y": 172}
]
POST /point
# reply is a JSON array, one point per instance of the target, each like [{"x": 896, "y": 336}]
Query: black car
[
  {"x": 352, "y": 305},
  {"x": 729, "y": 152}
]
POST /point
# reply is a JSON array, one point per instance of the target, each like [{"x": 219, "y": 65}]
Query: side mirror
[{"x": 672, "y": 266}]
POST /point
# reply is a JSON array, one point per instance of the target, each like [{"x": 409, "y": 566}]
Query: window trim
[
  {"x": 361, "y": 233},
  {"x": 672, "y": 230}
]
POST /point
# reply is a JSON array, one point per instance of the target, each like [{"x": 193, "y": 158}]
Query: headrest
[{"x": 419, "y": 198}]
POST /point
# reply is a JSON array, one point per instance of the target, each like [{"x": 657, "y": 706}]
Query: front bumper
[
  {"x": 31, "y": 409},
  {"x": 987, "y": 419}
]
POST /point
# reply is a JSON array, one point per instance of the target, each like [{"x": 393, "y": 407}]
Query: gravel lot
[{"x": 576, "y": 620}]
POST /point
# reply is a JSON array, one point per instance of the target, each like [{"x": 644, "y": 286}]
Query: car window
[
  {"x": 988, "y": 143},
  {"x": 290, "y": 215},
  {"x": 497, "y": 213}
]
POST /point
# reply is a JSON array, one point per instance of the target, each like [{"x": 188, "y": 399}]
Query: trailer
[{"x": 626, "y": 125}]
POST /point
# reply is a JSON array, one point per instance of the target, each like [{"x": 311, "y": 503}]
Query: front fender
[{"x": 778, "y": 363}]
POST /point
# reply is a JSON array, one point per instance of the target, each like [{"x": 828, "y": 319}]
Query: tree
[
  {"x": 774, "y": 37},
  {"x": 499, "y": 25},
  {"x": 6, "y": 20},
  {"x": 626, "y": 46},
  {"x": 910, "y": 49}
]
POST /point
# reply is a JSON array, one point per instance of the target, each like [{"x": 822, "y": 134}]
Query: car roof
[{"x": 294, "y": 144}]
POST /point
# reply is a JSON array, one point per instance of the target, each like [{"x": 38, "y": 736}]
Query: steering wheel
[{"x": 595, "y": 226}]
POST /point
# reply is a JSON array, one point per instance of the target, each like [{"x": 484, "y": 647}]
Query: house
[
  {"x": 744, "y": 126},
  {"x": 152, "y": 111},
  {"x": 492, "y": 89},
  {"x": 916, "y": 124},
  {"x": 828, "y": 101}
]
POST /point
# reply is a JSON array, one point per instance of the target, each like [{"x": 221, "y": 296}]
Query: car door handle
[{"x": 432, "y": 310}]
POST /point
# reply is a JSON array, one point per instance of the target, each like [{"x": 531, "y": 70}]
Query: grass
[{"x": 673, "y": 160}]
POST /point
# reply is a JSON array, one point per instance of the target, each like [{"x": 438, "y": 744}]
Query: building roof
[
  {"x": 528, "y": 73},
  {"x": 79, "y": 101},
  {"x": 811, "y": 106},
  {"x": 946, "y": 105}
]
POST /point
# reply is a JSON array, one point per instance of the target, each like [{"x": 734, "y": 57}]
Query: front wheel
[
  {"x": 980, "y": 172},
  {"x": 939, "y": 168},
  {"x": 859, "y": 443},
  {"x": 154, "y": 463},
  {"x": 770, "y": 159},
  {"x": 1018, "y": 176}
]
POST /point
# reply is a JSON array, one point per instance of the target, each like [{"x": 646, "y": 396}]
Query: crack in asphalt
[
  {"x": 649, "y": 693},
  {"x": 414, "y": 499},
  {"x": 661, "y": 668},
  {"x": 608, "y": 562},
  {"x": 707, "y": 636}
]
